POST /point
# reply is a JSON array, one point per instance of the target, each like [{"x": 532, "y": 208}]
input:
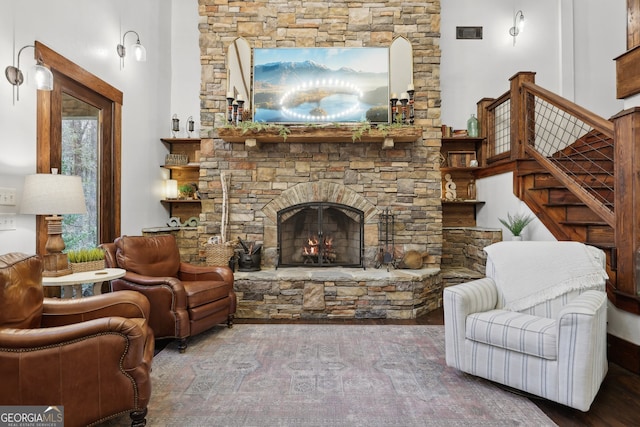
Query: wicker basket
[
  {"x": 78, "y": 267},
  {"x": 218, "y": 254},
  {"x": 176, "y": 159}
]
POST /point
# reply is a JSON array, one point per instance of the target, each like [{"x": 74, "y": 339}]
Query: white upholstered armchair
[{"x": 536, "y": 323}]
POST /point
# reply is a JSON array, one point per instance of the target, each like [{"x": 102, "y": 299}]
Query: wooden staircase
[{"x": 589, "y": 161}]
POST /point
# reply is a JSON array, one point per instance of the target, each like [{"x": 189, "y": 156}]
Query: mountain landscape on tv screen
[{"x": 308, "y": 91}]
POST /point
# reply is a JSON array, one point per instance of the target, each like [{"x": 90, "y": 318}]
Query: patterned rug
[{"x": 324, "y": 375}]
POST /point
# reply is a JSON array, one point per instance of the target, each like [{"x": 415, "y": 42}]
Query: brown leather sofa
[
  {"x": 91, "y": 355},
  {"x": 185, "y": 299}
]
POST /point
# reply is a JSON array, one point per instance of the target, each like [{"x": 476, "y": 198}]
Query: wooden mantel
[{"x": 331, "y": 134}]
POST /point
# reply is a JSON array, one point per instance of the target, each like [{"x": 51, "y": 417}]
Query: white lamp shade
[
  {"x": 171, "y": 189},
  {"x": 52, "y": 194},
  {"x": 43, "y": 78},
  {"x": 521, "y": 22},
  {"x": 139, "y": 52}
]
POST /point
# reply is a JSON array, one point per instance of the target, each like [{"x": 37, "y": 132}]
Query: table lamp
[{"x": 54, "y": 195}]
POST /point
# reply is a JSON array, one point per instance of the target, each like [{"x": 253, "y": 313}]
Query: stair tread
[
  {"x": 542, "y": 171},
  {"x": 562, "y": 187},
  {"x": 577, "y": 204},
  {"x": 572, "y": 158},
  {"x": 557, "y": 204},
  {"x": 583, "y": 223},
  {"x": 601, "y": 245}
]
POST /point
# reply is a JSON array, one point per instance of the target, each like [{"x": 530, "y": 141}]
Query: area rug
[{"x": 326, "y": 376}]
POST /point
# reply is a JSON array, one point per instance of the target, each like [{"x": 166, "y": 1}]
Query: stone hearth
[{"x": 337, "y": 293}]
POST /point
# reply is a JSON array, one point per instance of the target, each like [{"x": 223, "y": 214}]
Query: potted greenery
[
  {"x": 516, "y": 223},
  {"x": 187, "y": 191},
  {"x": 88, "y": 259}
]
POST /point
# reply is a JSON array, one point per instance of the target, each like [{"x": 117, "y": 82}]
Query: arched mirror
[
  {"x": 239, "y": 71},
  {"x": 401, "y": 65}
]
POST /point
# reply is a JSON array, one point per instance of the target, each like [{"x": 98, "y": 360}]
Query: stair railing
[
  {"x": 572, "y": 143},
  {"x": 497, "y": 114}
]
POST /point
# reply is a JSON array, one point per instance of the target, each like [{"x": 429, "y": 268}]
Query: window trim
[{"x": 46, "y": 134}]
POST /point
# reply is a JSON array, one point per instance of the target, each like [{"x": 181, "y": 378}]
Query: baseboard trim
[{"x": 624, "y": 353}]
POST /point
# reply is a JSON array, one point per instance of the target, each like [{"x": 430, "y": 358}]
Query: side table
[{"x": 76, "y": 280}]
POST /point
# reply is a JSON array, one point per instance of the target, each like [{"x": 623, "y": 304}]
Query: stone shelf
[{"x": 331, "y": 134}]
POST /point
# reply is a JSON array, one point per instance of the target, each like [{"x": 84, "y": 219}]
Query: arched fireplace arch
[{"x": 320, "y": 191}]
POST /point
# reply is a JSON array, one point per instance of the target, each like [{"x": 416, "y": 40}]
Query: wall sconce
[
  {"x": 518, "y": 25},
  {"x": 53, "y": 195},
  {"x": 42, "y": 75},
  {"x": 139, "y": 52}
]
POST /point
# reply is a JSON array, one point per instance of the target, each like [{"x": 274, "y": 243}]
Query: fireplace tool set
[
  {"x": 386, "y": 253},
  {"x": 249, "y": 259}
]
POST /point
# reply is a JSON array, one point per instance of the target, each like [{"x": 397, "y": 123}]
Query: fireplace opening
[{"x": 320, "y": 234}]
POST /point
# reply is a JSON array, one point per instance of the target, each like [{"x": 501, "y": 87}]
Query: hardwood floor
[{"x": 615, "y": 405}]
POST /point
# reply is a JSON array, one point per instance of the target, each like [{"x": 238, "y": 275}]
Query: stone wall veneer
[{"x": 404, "y": 179}]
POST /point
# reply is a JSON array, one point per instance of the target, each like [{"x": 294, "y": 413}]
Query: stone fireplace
[{"x": 283, "y": 192}]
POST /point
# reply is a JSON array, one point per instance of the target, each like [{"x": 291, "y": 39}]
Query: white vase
[{"x": 517, "y": 238}]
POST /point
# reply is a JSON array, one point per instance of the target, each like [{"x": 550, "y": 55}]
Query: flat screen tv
[{"x": 321, "y": 85}]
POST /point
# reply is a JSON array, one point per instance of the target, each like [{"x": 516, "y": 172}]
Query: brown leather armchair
[
  {"x": 91, "y": 355},
  {"x": 185, "y": 299}
]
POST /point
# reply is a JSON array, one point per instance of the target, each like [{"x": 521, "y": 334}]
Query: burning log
[{"x": 315, "y": 251}]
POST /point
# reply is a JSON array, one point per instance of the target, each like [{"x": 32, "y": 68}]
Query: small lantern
[
  {"x": 175, "y": 124},
  {"x": 190, "y": 126}
]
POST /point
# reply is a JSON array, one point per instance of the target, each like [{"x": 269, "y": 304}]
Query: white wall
[
  {"x": 632, "y": 101},
  {"x": 569, "y": 44},
  {"x": 87, "y": 32},
  {"x": 185, "y": 65},
  {"x": 475, "y": 69},
  {"x": 600, "y": 36},
  {"x": 503, "y": 202}
]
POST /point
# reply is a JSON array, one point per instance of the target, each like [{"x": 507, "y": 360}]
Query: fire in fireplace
[
  {"x": 320, "y": 234},
  {"x": 319, "y": 251}
]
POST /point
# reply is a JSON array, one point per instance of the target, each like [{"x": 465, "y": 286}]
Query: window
[{"x": 81, "y": 125}]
